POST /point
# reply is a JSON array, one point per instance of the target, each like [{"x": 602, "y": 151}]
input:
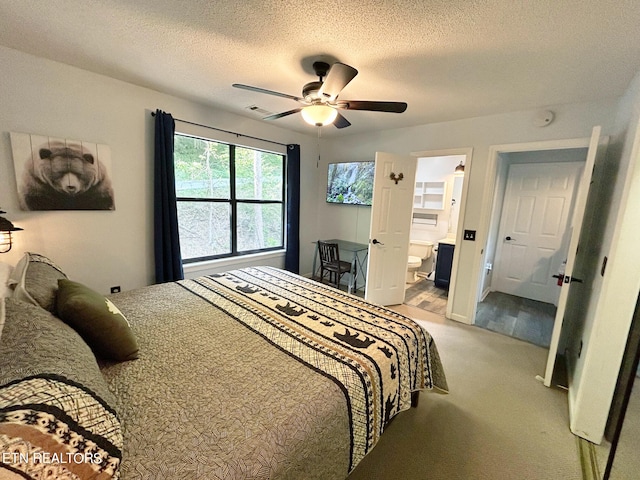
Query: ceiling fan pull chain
[{"x": 318, "y": 161}]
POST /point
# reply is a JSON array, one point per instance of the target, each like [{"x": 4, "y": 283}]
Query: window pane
[
  {"x": 258, "y": 175},
  {"x": 204, "y": 229},
  {"x": 202, "y": 168},
  {"x": 259, "y": 226}
]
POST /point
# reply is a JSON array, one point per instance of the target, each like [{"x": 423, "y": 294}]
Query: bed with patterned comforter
[
  {"x": 254, "y": 373},
  {"x": 259, "y": 373}
]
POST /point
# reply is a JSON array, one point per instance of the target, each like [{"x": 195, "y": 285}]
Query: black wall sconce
[{"x": 6, "y": 230}]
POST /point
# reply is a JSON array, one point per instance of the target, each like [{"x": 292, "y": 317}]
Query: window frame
[{"x": 233, "y": 202}]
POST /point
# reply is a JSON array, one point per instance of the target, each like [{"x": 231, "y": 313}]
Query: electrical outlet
[
  {"x": 115, "y": 289},
  {"x": 470, "y": 235}
]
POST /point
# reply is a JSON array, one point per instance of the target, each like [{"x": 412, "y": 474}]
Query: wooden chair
[{"x": 330, "y": 262}]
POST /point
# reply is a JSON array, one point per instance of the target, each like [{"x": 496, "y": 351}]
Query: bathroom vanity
[{"x": 444, "y": 262}]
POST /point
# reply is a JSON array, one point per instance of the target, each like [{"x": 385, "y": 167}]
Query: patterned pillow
[
  {"x": 56, "y": 412},
  {"x": 35, "y": 280}
]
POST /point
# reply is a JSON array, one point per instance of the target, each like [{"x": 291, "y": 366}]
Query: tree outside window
[{"x": 230, "y": 199}]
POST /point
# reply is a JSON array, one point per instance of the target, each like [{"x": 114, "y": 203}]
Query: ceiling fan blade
[
  {"x": 338, "y": 77},
  {"x": 341, "y": 122},
  {"x": 275, "y": 116},
  {"x": 393, "y": 107},
  {"x": 268, "y": 92}
]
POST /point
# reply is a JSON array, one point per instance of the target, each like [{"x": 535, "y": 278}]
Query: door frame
[
  {"x": 486, "y": 214},
  {"x": 468, "y": 153}
]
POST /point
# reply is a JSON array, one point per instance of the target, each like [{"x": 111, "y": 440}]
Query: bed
[{"x": 254, "y": 373}]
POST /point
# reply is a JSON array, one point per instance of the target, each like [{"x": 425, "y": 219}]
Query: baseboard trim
[
  {"x": 459, "y": 318},
  {"x": 588, "y": 460},
  {"x": 484, "y": 294}
]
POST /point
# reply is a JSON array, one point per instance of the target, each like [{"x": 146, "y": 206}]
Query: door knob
[
  {"x": 509, "y": 238},
  {"x": 376, "y": 242}
]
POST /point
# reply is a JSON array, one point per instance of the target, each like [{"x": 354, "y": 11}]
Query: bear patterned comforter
[{"x": 260, "y": 373}]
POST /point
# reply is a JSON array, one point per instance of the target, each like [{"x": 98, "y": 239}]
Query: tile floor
[
  {"x": 517, "y": 317},
  {"x": 426, "y": 296}
]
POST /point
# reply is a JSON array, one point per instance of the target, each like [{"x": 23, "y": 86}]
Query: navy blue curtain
[
  {"x": 165, "y": 212},
  {"x": 292, "y": 257}
]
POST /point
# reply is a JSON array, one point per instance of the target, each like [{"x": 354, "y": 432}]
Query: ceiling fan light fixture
[
  {"x": 319, "y": 98},
  {"x": 319, "y": 115}
]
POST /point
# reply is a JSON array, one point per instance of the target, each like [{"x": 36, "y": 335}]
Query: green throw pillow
[{"x": 97, "y": 320}]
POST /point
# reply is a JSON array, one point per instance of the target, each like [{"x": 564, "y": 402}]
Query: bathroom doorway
[{"x": 439, "y": 198}]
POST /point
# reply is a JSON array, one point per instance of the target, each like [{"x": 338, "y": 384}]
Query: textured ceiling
[{"x": 448, "y": 59}]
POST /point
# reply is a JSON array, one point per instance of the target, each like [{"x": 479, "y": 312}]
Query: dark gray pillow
[{"x": 55, "y": 405}]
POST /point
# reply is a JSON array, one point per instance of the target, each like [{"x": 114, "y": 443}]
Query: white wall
[
  {"x": 346, "y": 222},
  {"x": 572, "y": 121},
  {"x": 102, "y": 248}
]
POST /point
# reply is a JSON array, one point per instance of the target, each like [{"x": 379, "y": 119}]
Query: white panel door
[
  {"x": 533, "y": 241},
  {"x": 391, "y": 211}
]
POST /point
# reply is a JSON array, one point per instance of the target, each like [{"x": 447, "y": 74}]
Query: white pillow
[
  {"x": 18, "y": 271},
  {"x": 5, "y": 274}
]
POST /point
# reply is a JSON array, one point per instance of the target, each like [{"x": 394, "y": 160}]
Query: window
[{"x": 230, "y": 199}]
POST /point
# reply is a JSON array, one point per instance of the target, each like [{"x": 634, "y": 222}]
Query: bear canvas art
[{"x": 61, "y": 174}]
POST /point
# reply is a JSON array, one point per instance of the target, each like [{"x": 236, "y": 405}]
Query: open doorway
[
  {"x": 528, "y": 240},
  {"x": 438, "y": 201}
]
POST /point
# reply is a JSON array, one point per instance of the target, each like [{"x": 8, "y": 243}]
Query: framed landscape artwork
[{"x": 350, "y": 183}]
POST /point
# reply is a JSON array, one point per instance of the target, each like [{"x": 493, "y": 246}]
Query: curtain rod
[{"x": 153, "y": 114}]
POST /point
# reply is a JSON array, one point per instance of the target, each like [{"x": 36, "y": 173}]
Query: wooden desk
[{"x": 357, "y": 252}]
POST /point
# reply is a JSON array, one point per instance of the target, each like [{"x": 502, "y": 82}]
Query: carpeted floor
[{"x": 497, "y": 422}]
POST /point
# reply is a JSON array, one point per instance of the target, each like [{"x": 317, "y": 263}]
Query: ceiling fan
[{"x": 320, "y": 99}]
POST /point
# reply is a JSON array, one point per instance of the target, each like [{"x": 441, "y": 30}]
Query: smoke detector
[{"x": 543, "y": 118}]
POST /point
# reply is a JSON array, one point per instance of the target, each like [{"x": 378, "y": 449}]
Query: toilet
[{"x": 420, "y": 262}]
